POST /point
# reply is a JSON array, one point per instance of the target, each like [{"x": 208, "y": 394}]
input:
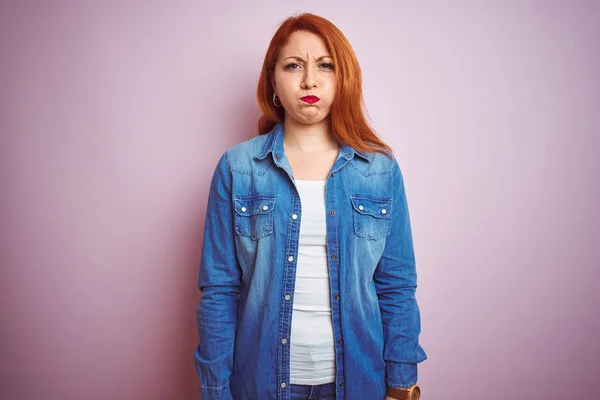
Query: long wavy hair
[{"x": 348, "y": 123}]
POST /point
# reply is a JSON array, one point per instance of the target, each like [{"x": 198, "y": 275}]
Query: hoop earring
[{"x": 274, "y": 102}]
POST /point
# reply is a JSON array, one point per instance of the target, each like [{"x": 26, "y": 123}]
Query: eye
[
  {"x": 327, "y": 65},
  {"x": 291, "y": 66}
]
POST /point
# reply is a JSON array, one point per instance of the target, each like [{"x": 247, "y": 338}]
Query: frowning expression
[{"x": 304, "y": 78}]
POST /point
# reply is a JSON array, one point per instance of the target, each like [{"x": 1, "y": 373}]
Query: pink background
[{"x": 114, "y": 115}]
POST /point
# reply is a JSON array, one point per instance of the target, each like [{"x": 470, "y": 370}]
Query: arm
[
  {"x": 219, "y": 280},
  {"x": 395, "y": 282}
]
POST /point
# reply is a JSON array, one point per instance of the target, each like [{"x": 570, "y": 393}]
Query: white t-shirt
[{"x": 312, "y": 345}]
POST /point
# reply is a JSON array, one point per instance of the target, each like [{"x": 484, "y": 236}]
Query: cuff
[
  {"x": 401, "y": 375},
  {"x": 216, "y": 392}
]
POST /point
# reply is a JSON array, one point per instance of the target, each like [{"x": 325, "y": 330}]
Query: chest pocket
[
  {"x": 372, "y": 216},
  {"x": 254, "y": 215}
]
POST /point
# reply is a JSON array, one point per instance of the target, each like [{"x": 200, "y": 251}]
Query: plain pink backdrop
[{"x": 113, "y": 115}]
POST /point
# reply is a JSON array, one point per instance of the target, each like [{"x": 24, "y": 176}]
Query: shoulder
[
  {"x": 384, "y": 161},
  {"x": 247, "y": 148},
  {"x": 242, "y": 157},
  {"x": 244, "y": 150},
  {"x": 378, "y": 163}
]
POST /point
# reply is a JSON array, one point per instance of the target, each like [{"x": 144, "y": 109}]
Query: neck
[{"x": 308, "y": 138}]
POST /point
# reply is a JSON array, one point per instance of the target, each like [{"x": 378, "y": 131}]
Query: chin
[{"x": 312, "y": 121}]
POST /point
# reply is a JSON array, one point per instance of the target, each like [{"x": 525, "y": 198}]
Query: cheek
[
  {"x": 330, "y": 86},
  {"x": 286, "y": 88},
  {"x": 331, "y": 94}
]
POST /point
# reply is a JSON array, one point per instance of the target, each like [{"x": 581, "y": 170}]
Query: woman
[{"x": 308, "y": 272}]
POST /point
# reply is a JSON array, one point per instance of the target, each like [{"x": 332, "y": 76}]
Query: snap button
[
  {"x": 332, "y": 213},
  {"x": 283, "y": 384},
  {"x": 265, "y": 208},
  {"x": 290, "y": 258},
  {"x": 337, "y": 296},
  {"x": 334, "y": 257},
  {"x": 284, "y": 341},
  {"x": 384, "y": 211},
  {"x": 341, "y": 341},
  {"x": 243, "y": 209},
  {"x": 287, "y": 297},
  {"x": 294, "y": 216},
  {"x": 361, "y": 208}
]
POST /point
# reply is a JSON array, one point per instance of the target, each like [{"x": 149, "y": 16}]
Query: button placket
[{"x": 286, "y": 305}]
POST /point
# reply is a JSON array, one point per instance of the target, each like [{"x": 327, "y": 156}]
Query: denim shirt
[{"x": 248, "y": 268}]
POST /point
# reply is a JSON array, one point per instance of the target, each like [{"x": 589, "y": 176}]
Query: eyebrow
[{"x": 302, "y": 59}]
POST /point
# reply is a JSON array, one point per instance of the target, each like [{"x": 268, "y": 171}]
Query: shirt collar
[{"x": 274, "y": 144}]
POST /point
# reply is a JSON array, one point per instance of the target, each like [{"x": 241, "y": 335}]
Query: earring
[{"x": 275, "y": 102}]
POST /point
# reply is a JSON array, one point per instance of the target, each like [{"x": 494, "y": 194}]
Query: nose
[{"x": 309, "y": 78}]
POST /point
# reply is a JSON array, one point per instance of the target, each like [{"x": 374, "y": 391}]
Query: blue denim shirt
[{"x": 248, "y": 268}]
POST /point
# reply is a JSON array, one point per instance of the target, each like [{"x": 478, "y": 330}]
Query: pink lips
[{"x": 310, "y": 99}]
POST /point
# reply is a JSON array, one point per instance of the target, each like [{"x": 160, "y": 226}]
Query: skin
[{"x": 305, "y": 67}]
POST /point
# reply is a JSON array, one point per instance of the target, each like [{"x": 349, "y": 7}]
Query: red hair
[{"x": 348, "y": 123}]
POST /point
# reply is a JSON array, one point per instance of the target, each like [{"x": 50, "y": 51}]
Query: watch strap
[{"x": 411, "y": 393}]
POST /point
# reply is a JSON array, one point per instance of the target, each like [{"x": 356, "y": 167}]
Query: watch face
[{"x": 416, "y": 394}]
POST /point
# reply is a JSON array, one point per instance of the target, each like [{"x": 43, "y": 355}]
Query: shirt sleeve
[
  {"x": 219, "y": 280},
  {"x": 396, "y": 282}
]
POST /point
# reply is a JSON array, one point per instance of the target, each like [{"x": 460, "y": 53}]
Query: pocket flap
[
  {"x": 255, "y": 204},
  {"x": 376, "y": 207}
]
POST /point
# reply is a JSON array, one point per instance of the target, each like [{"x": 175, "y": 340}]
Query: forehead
[{"x": 302, "y": 43}]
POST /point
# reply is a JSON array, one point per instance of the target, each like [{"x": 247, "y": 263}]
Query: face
[{"x": 304, "y": 79}]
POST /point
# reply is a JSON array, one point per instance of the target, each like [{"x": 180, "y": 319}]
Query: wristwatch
[{"x": 411, "y": 393}]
